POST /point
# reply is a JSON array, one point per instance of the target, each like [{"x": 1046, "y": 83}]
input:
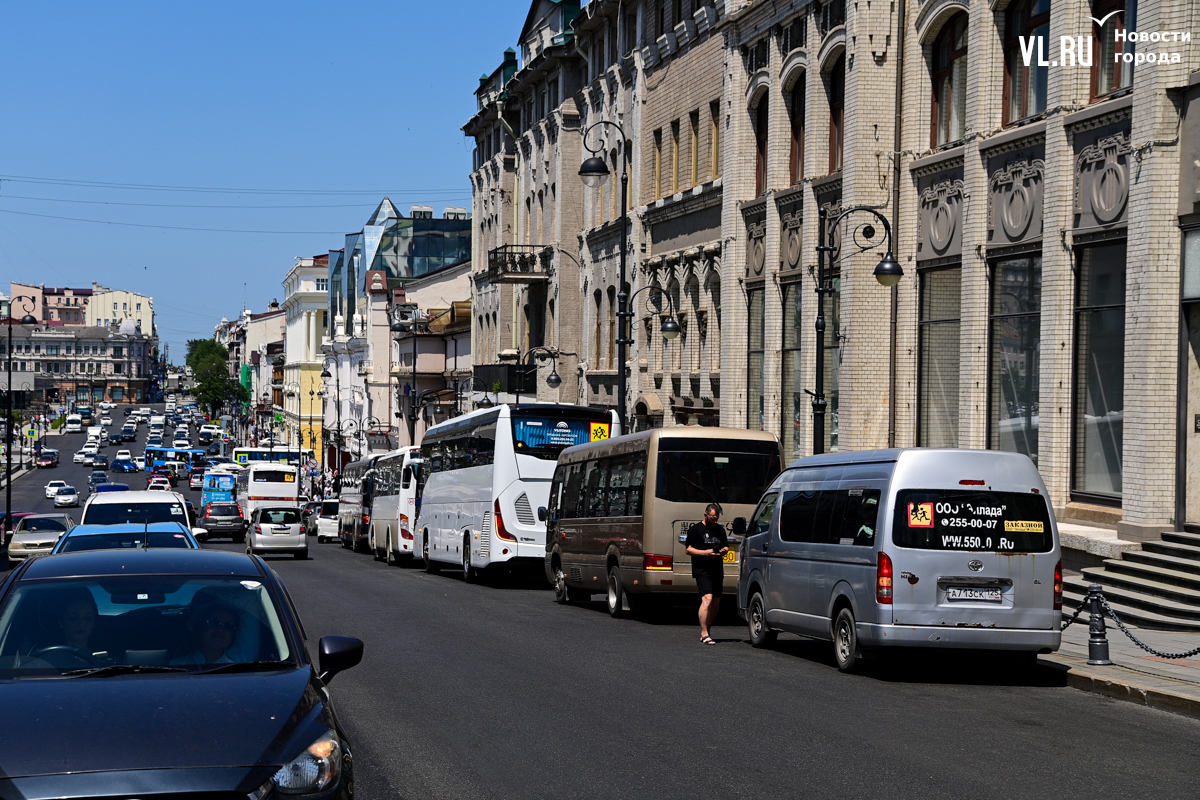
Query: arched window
[
  {"x": 760, "y": 148},
  {"x": 673, "y": 349},
  {"x": 948, "y": 120},
  {"x": 836, "y": 88},
  {"x": 597, "y": 350},
  {"x": 1107, "y": 75},
  {"x": 689, "y": 317},
  {"x": 796, "y": 159},
  {"x": 713, "y": 290},
  {"x": 1025, "y": 85},
  {"x": 612, "y": 327}
]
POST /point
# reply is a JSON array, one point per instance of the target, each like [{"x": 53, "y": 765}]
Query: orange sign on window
[{"x": 920, "y": 515}]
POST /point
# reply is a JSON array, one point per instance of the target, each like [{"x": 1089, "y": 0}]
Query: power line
[
  {"x": 170, "y": 227},
  {"x": 219, "y": 189}
]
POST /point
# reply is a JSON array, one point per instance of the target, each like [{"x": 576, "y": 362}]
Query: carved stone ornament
[
  {"x": 1108, "y": 189},
  {"x": 792, "y": 240},
  {"x": 1017, "y": 188},
  {"x": 941, "y": 210},
  {"x": 756, "y": 251}
]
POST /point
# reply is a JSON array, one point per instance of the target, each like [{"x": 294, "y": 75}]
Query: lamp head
[
  {"x": 594, "y": 172},
  {"x": 888, "y": 272},
  {"x": 486, "y": 402},
  {"x": 29, "y": 319},
  {"x": 670, "y": 328},
  {"x": 553, "y": 380},
  {"x": 325, "y": 372}
]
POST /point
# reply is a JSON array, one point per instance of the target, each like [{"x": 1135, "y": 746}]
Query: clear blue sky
[{"x": 318, "y": 97}]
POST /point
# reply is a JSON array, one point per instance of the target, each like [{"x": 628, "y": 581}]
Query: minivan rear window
[
  {"x": 949, "y": 519},
  {"x": 717, "y": 476}
]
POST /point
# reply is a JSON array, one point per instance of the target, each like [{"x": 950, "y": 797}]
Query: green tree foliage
[
  {"x": 200, "y": 349},
  {"x": 214, "y": 387}
]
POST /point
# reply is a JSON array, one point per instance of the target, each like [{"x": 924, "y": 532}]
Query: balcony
[{"x": 520, "y": 263}]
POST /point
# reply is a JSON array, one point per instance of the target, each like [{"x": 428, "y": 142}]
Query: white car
[
  {"x": 82, "y": 455},
  {"x": 122, "y": 454},
  {"x": 67, "y": 497},
  {"x": 159, "y": 486},
  {"x": 52, "y": 488},
  {"x": 106, "y": 420},
  {"x": 140, "y": 461}
]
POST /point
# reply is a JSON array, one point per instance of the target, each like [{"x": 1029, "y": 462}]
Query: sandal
[{"x": 707, "y": 640}]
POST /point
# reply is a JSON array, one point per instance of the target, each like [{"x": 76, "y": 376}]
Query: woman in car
[
  {"x": 213, "y": 627},
  {"x": 77, "y": 620}
]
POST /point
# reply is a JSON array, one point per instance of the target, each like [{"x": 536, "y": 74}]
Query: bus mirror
[
  {"x": 739, "y": 526},
  {"x": 541, "y": 513}
]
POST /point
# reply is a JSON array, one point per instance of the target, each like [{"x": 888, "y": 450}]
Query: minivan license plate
[{"x": 978, "y": 594}]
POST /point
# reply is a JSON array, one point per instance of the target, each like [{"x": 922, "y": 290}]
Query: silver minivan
[{"x": 916, "y": 547}]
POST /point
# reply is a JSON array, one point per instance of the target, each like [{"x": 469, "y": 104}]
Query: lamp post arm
[{"x": 598, "y": 124}]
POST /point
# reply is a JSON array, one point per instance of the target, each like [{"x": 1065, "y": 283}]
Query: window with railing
[{"x": 795, "y": 35}]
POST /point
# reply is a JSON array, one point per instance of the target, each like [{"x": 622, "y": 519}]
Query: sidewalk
[{"x": 1136, "y": 676}]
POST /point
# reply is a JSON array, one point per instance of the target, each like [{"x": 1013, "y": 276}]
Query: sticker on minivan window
[
  {"x": 1022, "y": 526},
  {"x": 920, "y": 515}
]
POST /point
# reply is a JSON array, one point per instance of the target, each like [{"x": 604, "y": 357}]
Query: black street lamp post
[
  {"x": 594, "y": 173},
  {"x": 553, "y": 380},
  {"x": 338, "y": 401},
  {"x": 27, "y": 302},
  {"x": 888, "y": 272}
]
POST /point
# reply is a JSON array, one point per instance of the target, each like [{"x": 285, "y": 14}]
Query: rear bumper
[
  {"x": 288, "y": 543},
  {"x": 876, "y": 635}
]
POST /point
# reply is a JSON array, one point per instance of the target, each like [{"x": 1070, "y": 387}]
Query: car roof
[
  {"x": 142, "y": 561},
  {"x": 139, "y": 496},
  {"x": 58, "y": 515},
  {"x": 129, "y": 527}
]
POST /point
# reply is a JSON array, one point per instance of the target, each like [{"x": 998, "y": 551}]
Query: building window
[
  {"x": 937, "y": 344},
  {"x": 657, "y": 164},
  {"x": 755, "y": 402},
  {"x": 599, "y": 330},
  {"x": 675, "y": 157},
  {"x": 694, "y": 130},
  {"x": 837, "y": 112},
  {"x": 713, "y": 328},
  {"x": 322, "y": 284},
  {"x": 1107, "y": 75},
  {"x": 792, "y": 392},
  {"x": 760, "y": 148},
  {"x": 139, "y": 306},
  {"x": 950, "y": 82},
  {"x": 1099, "y": 369},
  {"x": 660, "y": 21},
  {"x": 714, "y": 112},
  {"x": 1025, "y": 21},
  {"x": 796, "y": 157},
  {"x": 612, "y": 327},
  {"x": 1015, "y": 333}
]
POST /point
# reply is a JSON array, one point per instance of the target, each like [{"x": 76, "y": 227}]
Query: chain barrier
[
  {"x": 1139, "y": 642},
  {"x": 1075, "y": 616},
  {"x": 1097, "y": 638}
]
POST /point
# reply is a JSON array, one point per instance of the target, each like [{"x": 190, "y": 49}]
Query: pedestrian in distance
[{"x": 707, "y": 544}]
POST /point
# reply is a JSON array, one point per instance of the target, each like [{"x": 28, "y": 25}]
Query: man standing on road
[{"x": 707, "y": 544}]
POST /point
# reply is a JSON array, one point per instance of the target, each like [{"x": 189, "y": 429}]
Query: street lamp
[
  {"x": 486, "y": 402},
  {"x": 338, "y": 401},
  {"x": 888, "y": 272},
  {"x": 552, "y": 380},
  {"x": 411, "y": 326},
  {"x": 27, "y": 303},
  {"x": 594, "y": 173}
]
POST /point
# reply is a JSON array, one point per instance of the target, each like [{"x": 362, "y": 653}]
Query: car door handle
[{"x": 766, "y": 547}]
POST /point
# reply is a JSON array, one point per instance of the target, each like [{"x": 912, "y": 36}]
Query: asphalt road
[
  {"x": 479, "y": 691},
  {"x": 470, "y": 691}
]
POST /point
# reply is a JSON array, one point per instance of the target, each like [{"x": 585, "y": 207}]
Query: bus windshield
[{"x": 544, "y": 433}]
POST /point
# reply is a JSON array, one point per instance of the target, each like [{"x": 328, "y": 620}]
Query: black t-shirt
[{"x": 703, "y": 536}]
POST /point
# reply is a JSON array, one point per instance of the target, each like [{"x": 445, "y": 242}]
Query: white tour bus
[
  {"x": 267, "y": 484},
  {"x": 394, "y": 504},
  {"x": 486, "y": 474},
  {"x": 74, "y": 423}
]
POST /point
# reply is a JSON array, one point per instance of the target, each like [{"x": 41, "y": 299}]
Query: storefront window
[
  {"x": 755, "y": 403},
  {"x": 938, "y": 341},
  {"x": 1099, "y": 369},
  {"x": 1015, "y": 340},
  {"x": 792, "y": 393}
]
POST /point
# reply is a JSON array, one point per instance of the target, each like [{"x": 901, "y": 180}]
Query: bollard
[{"x": 1097, "y": 641}]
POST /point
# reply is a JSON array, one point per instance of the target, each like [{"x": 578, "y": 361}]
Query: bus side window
[
  {"x": 406, "y": 481},
  {"x": 555, "y": 499},
  {"x": 596, "y": 487},
  {"x": 572, "y": 505},
  {"x": 637, "y": 485}
]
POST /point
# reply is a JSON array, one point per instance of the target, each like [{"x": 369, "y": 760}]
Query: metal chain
[
  {"x": 1074, "y": 616},
  {"x": 1140, "y": 643}
]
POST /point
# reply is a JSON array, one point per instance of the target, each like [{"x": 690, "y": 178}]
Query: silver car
[
  {"x": 66, "y": 496},
  {"x": 917, "y": 548},
  {"x": 37, "y": 534},
  {"x": 276, "y": 529}
]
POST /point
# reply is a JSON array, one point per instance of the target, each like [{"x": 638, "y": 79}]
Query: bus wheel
[
  {"x": 431, "y": 566},
  {"x": 470, "y": 574},
  {"x": 616, "y": 593},
  {"x": 376, "y": 553},
  {"x": 560, "y": 586},
  {"x": 389, "y": 554}
]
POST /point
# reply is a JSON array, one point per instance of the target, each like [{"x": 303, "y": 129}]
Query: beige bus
[{"x": 620, "y": 509}]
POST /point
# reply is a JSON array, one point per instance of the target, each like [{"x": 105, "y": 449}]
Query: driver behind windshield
[
  {"x": 77, "y": 619},
  {"x": 216, "y": 634}
]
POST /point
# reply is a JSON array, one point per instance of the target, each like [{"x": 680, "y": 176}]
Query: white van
[
  {"x": 394, "y": 504},
  {"x": 74, "y": 423}
]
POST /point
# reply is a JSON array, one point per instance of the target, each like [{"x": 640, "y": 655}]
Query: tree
[
  {"x": 200, "y": 349},
  {"x": 214, "y": 387}
]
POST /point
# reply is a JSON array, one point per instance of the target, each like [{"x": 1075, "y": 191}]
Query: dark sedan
[{"x": 173, "y": 672}]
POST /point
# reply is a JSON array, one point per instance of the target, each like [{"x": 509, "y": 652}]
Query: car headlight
[{"x": 313, "y": 770}]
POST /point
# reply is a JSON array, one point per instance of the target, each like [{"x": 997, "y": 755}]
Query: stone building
[
  {"x": 63, "y": 365},
  {"x": 306, "y": 310}
]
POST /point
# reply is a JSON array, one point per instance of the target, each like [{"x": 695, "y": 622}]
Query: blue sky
[{"x": 317, "y": 97}]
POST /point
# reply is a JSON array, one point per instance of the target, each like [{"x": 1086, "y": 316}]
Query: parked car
[
  {"x": 36, "y": 534},
  {"x": 67, "y": 497},
  {"x": 276, "y": 529},
  {"x": 276, "y": 716},
  {"x": 129, "y": 535},
  {"x": 905, "y": 548},
  {"x": 52, "y": 488}
]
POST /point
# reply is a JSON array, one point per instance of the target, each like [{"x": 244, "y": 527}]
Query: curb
[{"x": 1121, "y": 683}]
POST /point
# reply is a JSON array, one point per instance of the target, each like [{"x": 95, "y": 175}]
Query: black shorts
[{"x": 709, "y": 577}]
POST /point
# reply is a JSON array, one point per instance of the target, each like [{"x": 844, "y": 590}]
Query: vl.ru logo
[{"x": 1077, "y": 50}]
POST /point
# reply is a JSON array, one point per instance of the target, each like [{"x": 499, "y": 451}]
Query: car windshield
[
  {"x": 329, "y": 508},
  {"x": 118, "y": 541},
  {"x": 119, "y": 513},
  {"x": 42, "y": 524},
  {"x": 223, "y": 510},
  {"x": 280, "y": 516},
  {"x": 67, "y": 490},
  {"x": 52, "y": 628}
]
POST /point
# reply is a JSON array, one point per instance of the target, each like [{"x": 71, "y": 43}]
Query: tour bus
[
  {"x": 354, "y": 503},
  {"x": 618, "y": 512},
  {"x": 485, "y": 474},
  {"x": 218, "y": 487},
  {"x": 156, "y": 456},
  {"x": 287, "y": 454},
  {"x": 267, "y": 485},
  {"x": 74, "y": 423},
  {"x": 395, "y": 504},
  {"x": 85, "y": 414}
]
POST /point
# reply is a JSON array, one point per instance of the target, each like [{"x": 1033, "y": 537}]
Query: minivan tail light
[
  {"x": 883, "y": 580},
  {"x": 969, "y": 482},
  {"x": 1058, "y": 586},
  {"x": 650, "y": 561},
  {"x": 500, "y": 530}
]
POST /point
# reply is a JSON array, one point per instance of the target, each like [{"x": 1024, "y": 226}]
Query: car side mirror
[
  {"x": 199, "y": 532},
  {"x": 739, "y": 526},
  {"x": 338, "y": 654},
  {"x": 541, "y": 513}
]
